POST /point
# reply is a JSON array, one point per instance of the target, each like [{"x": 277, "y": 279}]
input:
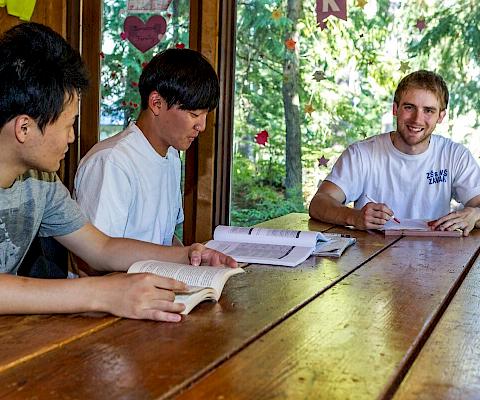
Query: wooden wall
[{"x": 49, "y": 12}]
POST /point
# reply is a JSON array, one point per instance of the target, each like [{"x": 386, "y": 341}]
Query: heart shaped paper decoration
[{"x": 145, "y": 35}]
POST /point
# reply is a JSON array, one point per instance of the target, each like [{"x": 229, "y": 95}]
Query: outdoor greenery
[{"x": 333, "y": 87}]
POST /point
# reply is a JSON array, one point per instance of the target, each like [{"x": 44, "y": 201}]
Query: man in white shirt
[
  {"x": 129, "y": 185},
  {"x": 409, "y": 172}
]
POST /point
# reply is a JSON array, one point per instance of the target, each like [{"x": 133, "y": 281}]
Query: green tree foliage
[
  {"x": 452, "y": 41},
  {"x": 340, "y": 72}
]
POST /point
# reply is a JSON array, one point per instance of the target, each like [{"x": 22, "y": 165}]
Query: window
[
  {"x": 303, "y": 94},
  {"x": 123, "y": 56}
]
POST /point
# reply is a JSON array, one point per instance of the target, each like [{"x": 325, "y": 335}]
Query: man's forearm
[
  {"x": 104, "y": 253},
  {"x": 327, "y": 209},
  {"x": 21, "y": 295},
  {"x": 124, "y": 252}
]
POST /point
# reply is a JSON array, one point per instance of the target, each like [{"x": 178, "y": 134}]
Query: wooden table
[{"x": 393, "y": 317}]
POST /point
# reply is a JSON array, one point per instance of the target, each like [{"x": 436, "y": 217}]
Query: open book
[
  {"x": 204, "y": 283},
  {"x": 415, "y": 227},
  {"x": 276, "y": 246}
]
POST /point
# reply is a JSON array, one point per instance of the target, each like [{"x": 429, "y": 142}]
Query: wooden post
[
  {"x": 90, "y": 49},
  {"x": 207, "y": 169}
]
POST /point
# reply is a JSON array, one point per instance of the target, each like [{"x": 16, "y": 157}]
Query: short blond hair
[{"x": 426, "y": 80}]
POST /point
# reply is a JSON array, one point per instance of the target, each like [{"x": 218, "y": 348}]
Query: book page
[
  {"x": 213, "y": 277},
  {"x": 407, "y": 224},
  {"x": 260, "y": 253},
  {"x": 192, "y": 299},
  {"x": 267, "y": 236}
]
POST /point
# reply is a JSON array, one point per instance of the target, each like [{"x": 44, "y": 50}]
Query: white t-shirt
[
  {"x": 413, "y": 186},
  {"x": 127, "y": 189}
]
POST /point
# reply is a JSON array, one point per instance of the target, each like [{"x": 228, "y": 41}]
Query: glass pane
[
  {"x": 122, "y": 62},
  {"x": 302, "y": 94}
]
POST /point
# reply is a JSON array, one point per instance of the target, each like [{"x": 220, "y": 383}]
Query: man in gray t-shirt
[
  {"x": 36, "y": 202},
  {"x": 42, "y": 78}
]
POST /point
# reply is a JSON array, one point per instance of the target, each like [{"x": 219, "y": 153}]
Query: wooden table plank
[
  {"x": 26, "y": 336},
  {"x": 296, "y": 221},
  {"x": 448, "y": 365},
  {"x": 140, "y": 359},
  {"x": 353, "y": 340}
]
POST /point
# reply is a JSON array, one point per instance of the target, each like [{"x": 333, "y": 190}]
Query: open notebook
[{"x": 415, "y": 227}]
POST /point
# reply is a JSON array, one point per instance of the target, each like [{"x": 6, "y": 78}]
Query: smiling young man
[
  {"x": 129, "y": 185},
  {"x": 410, "y": 171},
  {"x": 42, "y": 78}
]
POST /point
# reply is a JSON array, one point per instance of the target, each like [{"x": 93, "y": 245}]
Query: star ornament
[
  {"x": 308, "y": 109},
  {"x": 261, "y": 138},
  {"x": 404, "y": 66},
  {"x": 421, "y": 24},
  {"x": 290, "y": 44},
  {"x": 322, "y": 161},
  {"x": 319, "y": 76},
  {"x": 361, "y": 3},
  {"x": 276, "y": 14}
]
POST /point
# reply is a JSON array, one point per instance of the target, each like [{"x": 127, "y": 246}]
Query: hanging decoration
[
  {"x": 319, "y": 75},
  {"x": 22, "y": 9},
  {"x": 276, "y": 14},
  {"x": 421, "y": 25},
  {"x": 308, "y": 109},
  {"x": 361, "y": 3},
  {"x": 325, "y": 8},
  {"x": 141, "y": 6},
  {"x": 144, "y": 35},
  {"x": 261, "y": 138},
  {"x": 404, "y": 66},
  {"x": 290, "y": 44},
  {"x": 322, "y": 161}
]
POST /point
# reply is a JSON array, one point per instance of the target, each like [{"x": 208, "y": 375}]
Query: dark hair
[
  {"x": 426, "y": 80},
  {"x": 183, "y": 77},
  {"x": 38, "y": 69}
]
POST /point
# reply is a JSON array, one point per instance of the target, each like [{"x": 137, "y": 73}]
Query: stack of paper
[{"x": 335, "y": 246}]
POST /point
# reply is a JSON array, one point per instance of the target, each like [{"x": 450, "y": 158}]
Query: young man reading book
[
  {"x": 42, "y": 77},
  {"x": 129, "y": 185},
  {"x": 411, "y": 173}
]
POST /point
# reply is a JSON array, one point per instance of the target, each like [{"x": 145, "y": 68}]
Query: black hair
[
  {"x": 183, "y": 77},
  {"x": 39, "y": 73}
]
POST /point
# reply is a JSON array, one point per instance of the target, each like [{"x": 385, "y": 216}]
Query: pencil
[{"x": 373, "y": 201}]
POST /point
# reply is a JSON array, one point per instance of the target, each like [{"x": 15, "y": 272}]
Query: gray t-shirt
[{"x": 37, "y": 202}]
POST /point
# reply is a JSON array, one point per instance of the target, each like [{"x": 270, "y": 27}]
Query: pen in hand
[{"x": 373, "y": 201}]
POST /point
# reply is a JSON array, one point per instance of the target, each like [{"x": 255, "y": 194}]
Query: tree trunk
[{"x": 293, "y": 164}]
